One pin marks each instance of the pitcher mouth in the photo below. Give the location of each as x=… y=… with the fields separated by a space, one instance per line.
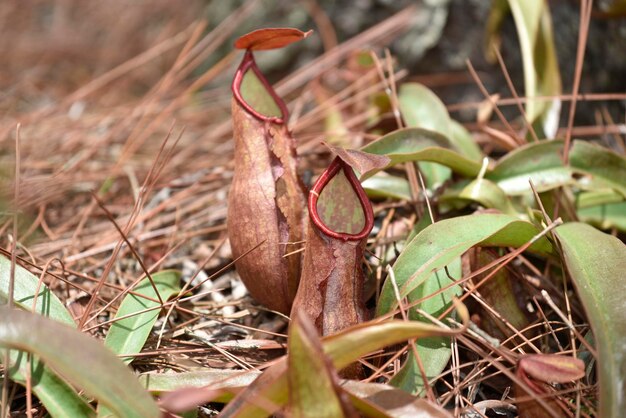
x=337 y=165
x=248 y=64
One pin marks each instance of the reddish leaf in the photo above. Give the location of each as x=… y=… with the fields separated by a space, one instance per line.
x=376 y=399
x=270 y=38
x=187 y=399
x=552 y=368
x=536 y=370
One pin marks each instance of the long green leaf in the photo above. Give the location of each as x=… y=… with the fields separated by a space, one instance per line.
x=218 y=378
x=25 y=288
x=128 y=335
x=60 y=399
x=185 y=391
x=416 y=144
x=599 y=196
x=463 y=142
x=371 y=399
x=603 y=165
x=540 y=162
x=435 y=351
x=310 y=397
x=591 y=166
x=421 y=108
x=419 y=272
x=488 y=194
x=596 y=263
x=527 y=16
x=442 y=242
x=80 y=359
x=612 y=215
x=383 y=185
x=541 y=70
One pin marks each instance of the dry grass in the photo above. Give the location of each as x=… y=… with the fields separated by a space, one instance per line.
x=146 y=129
x=115 y=99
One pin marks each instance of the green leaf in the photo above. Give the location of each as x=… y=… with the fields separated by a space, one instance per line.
x=349 y=345
x=216 y=378
x=443 y=242
x=25 y=289
x=434 y=174
x=184 y=392
x=541 y=71
x=484 y=192
x=463 y=141
x=416 y=144
x=128 y=335
x=607 y=216
x=540 y=162
x=310 y=397
x=597 y=197
x=420 y=225
x=605 y=166
x=500 y=294
x=596 y=263
x=434 y=352
x=80 y=359
x=419 y=272
x=60 y=399
x=489 y=195
x=382 y=185
x=421 y=108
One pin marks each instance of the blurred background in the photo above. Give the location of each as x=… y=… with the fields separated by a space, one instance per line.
x=99 y=86
x=52 y=47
